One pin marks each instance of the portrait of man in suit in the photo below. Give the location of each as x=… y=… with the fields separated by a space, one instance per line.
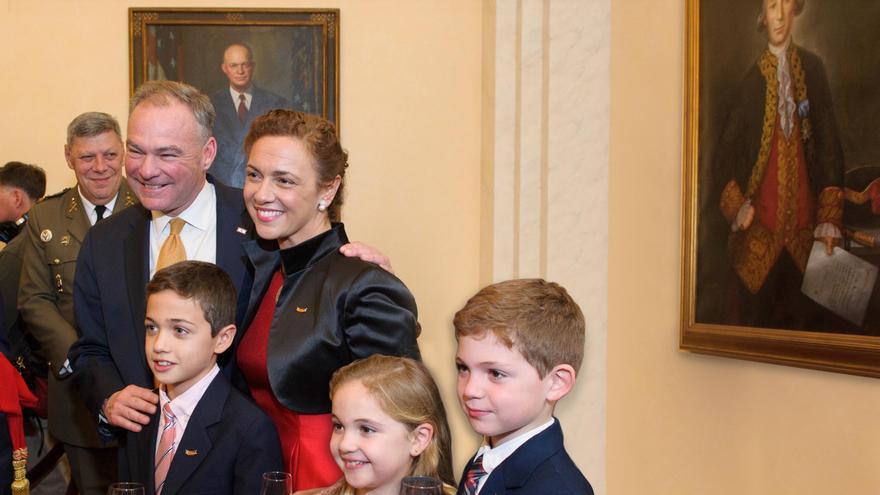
x=237 y=104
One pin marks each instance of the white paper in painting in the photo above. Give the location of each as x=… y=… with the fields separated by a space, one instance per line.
x=842 y=282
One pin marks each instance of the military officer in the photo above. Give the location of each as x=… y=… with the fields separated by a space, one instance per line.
x=56 y=228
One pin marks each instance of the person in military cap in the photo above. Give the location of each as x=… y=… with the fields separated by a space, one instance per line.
x=56 y=227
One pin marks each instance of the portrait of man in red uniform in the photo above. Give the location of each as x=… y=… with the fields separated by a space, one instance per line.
x=779 y=168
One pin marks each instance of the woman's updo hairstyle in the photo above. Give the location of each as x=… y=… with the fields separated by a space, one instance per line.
x=319 y=136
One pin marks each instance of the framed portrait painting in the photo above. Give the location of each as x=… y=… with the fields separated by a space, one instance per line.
x=781 y=183
x=247 y=60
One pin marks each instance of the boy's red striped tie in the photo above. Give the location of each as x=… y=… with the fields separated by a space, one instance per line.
x=474 y=474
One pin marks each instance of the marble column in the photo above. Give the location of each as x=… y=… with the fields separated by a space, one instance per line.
x=547 y=132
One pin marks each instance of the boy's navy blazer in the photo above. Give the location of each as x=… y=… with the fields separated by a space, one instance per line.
x=112 y=272
x=227 y=446
x=541 y=466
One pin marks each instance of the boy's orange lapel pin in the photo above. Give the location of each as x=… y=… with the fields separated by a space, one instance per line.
x=191 y=453
x=301 y=310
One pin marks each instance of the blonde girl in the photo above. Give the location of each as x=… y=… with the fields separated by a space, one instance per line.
x=388 y=423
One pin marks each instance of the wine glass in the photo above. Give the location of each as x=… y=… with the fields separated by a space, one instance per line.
x=126 y=488
x=421 y=485
x=276 y=483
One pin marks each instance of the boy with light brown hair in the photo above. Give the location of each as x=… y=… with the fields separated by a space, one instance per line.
x=520 y=345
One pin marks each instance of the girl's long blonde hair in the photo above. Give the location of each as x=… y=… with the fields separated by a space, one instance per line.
x=405 y=390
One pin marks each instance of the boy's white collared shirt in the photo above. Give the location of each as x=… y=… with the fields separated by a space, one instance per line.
x=183 y=405
x=493 y=457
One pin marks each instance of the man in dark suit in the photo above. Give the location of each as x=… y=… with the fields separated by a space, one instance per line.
x=169 y=149
x=237 y=105
x=56 y=229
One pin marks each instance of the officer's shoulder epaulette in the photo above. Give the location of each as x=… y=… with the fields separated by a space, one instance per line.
x=59 y=193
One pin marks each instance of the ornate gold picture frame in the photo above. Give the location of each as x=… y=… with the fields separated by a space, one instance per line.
x=296 y=51
x=781 y=113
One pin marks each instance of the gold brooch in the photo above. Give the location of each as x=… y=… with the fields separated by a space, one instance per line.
x=191 y=453
x=301 y=310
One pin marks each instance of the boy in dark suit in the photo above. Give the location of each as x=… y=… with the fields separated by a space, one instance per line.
x=520 y=344
x=206 y=436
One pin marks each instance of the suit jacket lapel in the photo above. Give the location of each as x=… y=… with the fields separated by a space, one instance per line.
x=232 y=230
x=137 y=274
x=146 y=452
x=196 y=443
x=257 y=102
x=264 y=261
x=516 y=470
x=234 y=227
x=228 y=111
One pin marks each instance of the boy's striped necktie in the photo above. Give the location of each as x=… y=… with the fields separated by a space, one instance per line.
x=474 y=474
x=167 y=446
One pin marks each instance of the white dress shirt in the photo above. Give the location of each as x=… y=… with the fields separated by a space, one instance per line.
x=90 y=208
x=199 y=235
x=248 y=97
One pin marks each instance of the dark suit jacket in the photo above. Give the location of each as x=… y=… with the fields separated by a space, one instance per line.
x=112 y=271
x=45 y=299
x=230 y=131
x=541 y=466
x=232 y=440
x=353 y=309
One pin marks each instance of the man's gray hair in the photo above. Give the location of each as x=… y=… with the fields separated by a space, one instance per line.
x=762 y=17
x=159 y=93
x=92 y=124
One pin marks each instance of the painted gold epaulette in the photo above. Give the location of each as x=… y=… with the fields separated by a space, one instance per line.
x=59 y=193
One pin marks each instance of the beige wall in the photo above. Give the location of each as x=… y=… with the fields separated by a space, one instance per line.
x=682 y=423
x=410 y=110
x=411 y=113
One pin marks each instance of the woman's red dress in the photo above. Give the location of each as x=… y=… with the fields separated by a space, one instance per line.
x=305 y=438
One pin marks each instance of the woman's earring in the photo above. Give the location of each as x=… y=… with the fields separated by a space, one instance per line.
x=322 y=205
